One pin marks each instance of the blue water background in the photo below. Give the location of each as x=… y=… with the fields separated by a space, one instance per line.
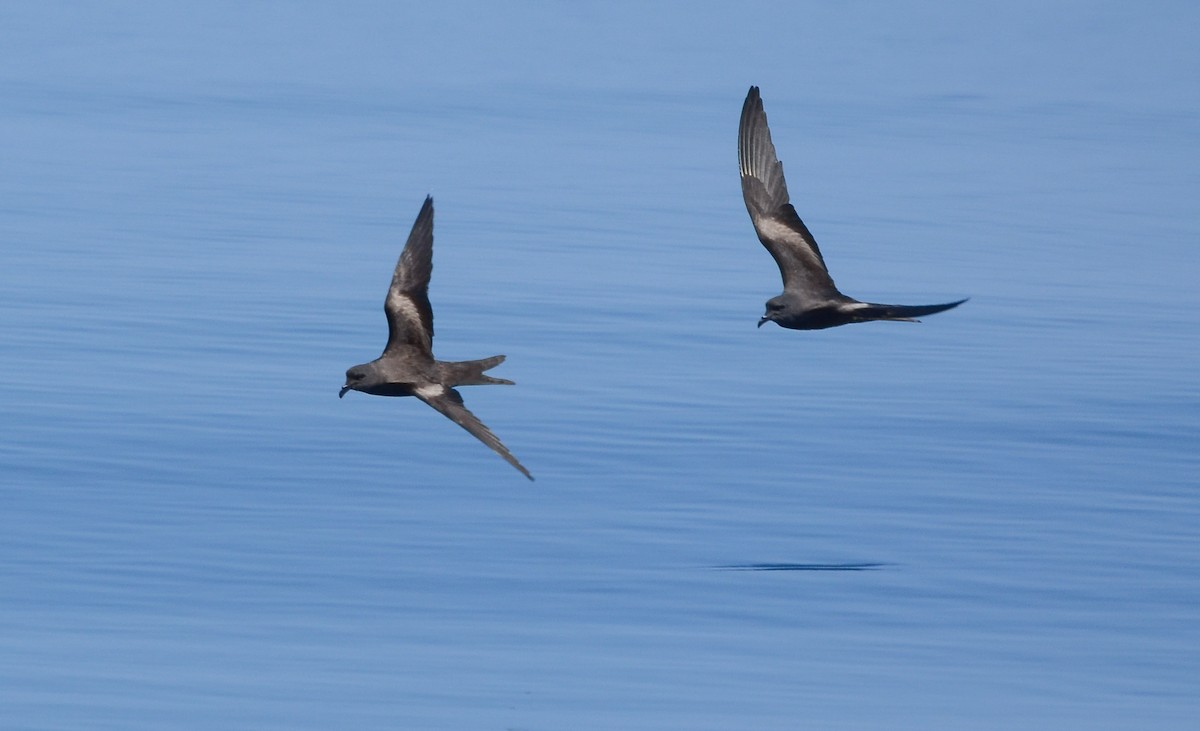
x=200 y=207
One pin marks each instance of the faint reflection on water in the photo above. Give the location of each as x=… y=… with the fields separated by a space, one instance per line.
x=804 y=567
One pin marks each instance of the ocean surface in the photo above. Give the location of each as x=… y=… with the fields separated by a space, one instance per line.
x=989 y=520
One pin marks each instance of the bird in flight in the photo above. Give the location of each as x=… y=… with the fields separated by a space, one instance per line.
x=810 y=300
x=407 y=366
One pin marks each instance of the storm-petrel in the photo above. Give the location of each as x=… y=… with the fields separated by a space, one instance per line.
x=810 y=300
x=407 y=366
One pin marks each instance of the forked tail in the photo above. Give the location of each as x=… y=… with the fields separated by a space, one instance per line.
x=470 y=372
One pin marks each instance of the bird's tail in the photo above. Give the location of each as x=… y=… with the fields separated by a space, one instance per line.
x=905 y=313
x=470 y=372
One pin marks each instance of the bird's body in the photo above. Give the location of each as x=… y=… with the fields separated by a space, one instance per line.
x=407 y=366
x=810 y=300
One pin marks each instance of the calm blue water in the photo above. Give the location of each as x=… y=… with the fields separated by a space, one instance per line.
x=200 y=208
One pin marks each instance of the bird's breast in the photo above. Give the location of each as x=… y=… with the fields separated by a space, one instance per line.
x=390 y=389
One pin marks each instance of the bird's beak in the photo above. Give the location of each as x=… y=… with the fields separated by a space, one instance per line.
x=343 y=391
x=762 y=319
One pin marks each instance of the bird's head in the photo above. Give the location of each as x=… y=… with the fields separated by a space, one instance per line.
x=358 y=378
x=775 y=307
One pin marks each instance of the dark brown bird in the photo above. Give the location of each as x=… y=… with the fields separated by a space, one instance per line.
x=810 y=300
x=407 y=366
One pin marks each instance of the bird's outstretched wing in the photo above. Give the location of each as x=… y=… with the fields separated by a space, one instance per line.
x=778 y=226
x=409 y=314
x=449 y=402
x=910 y=313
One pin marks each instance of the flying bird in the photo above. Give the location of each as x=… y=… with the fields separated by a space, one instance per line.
x=810 y=300
x=407 y=366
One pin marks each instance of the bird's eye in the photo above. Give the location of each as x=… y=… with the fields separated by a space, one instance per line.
x=355 y=375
